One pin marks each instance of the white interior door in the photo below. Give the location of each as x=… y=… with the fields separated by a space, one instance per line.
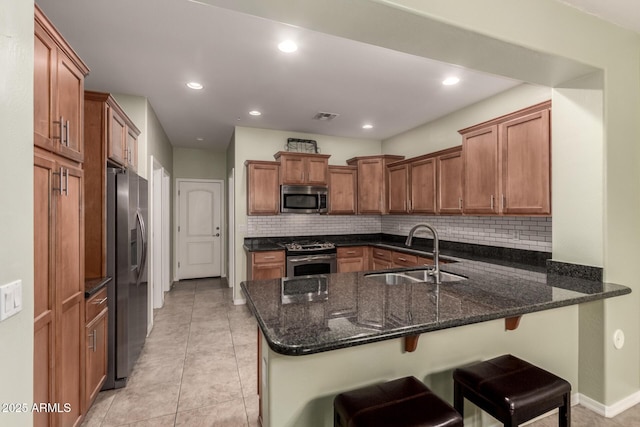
x=166 y=230
x=157 y=240
x=199 y=228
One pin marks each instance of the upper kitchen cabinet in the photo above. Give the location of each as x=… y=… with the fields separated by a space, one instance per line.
x=412 y=185
x=303 y=168
x=398 y=188
x=449 y=167
x=373 y=182
x=112 y=129
x=58 y=92
x=263 y=189
x=507 y=164
x=343 y=190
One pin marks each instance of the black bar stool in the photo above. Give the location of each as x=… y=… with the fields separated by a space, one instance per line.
x=405 y=402
x=512 y=390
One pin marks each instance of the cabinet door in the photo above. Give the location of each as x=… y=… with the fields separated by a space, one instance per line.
x=423 y=186
x=292 y=169
x=526 y=164
x=371 y=186
x=398 y=188
x=316 y=171
x=132 y=149
x=96 y=356
x=116 y=139
x=450 y=183
x=268 y=271
x=43 y=292
x=481 y=171
x=70 y=94
x=69 y=251
x=343 y=183
x=44 y=76
x=263 y=191
x=351 y=259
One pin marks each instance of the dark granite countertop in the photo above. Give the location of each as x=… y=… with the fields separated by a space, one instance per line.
x=353 y=309
x=92 y=286
x=508 y=257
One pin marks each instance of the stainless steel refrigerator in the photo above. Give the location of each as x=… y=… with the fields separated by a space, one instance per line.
x=127 y=195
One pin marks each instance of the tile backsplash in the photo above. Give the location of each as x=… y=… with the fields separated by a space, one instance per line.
x=532 y=233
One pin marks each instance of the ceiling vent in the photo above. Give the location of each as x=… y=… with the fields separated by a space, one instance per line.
x=325 y=116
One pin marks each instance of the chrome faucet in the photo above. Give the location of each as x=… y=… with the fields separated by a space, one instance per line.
x=436 y=260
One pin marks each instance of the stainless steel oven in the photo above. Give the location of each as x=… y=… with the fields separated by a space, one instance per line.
x=308 y=258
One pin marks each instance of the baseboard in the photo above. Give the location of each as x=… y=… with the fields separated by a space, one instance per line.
x=611 y=410
x=239 y=301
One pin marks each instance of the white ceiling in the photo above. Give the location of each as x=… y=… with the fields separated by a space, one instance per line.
x=152 y=48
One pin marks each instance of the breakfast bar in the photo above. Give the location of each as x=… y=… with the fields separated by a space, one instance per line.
x=321 y=335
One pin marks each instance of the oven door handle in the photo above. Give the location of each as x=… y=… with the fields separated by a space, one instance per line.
x=311 y=258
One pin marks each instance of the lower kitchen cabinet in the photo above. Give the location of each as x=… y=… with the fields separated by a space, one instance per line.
x=380 y=259
x=96 y=335
x=352 y=259
x=266 y=265
x=401 y=259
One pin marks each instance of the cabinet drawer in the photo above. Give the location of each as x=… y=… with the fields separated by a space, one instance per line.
x=268 y=257
x=381 y=254
x=424 y=261
x=96 y=304
x=351 y=252
x=405 y=260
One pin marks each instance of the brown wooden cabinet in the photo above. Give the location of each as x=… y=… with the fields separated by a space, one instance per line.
x=263 y=189
x=96 y=335
x=380 y=258
x=422 y=186
x=106 y=131
x=401 y=259
x=266 y=265
x=352 y=258
x=398 y=188
x=303 y=168
x=343 y=190
x=507 y=164
x=372 y=182
x=59 y=358
x=58 y=92
x=59 y=286
x=449 y=168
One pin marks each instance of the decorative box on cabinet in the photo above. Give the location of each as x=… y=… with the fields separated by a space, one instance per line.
x=507 y=164
x=373 y=182
x=263 y=189
x=303 y=168
x=343 y=190
x=58 y=92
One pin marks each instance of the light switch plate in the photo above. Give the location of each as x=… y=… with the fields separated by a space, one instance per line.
x=10 y=299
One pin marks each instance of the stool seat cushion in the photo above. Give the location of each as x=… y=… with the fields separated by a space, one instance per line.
x=514 y=385
x=402 y=402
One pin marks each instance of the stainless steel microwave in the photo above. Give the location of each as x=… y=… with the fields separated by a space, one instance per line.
x=305 y=199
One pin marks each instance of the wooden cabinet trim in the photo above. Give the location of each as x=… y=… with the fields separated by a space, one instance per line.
x=545 y=105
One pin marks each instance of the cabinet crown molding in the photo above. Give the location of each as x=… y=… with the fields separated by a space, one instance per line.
x=531 y=109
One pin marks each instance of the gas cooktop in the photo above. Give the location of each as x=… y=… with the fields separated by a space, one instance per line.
x=309 y=246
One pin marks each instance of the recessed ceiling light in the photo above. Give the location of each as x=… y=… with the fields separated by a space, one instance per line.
x=450 y=81
x=288 y=46
x=255 y=113
x=199 y=138
x=194 y=85
x=367 y=126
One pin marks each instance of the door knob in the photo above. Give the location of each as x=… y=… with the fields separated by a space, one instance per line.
x=217 y=234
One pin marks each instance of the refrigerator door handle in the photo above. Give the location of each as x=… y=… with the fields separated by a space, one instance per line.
x=143 y=235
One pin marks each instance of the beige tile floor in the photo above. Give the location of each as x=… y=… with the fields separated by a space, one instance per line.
x=198 y=368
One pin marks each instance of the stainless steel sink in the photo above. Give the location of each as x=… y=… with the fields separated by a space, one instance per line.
x=413 y=276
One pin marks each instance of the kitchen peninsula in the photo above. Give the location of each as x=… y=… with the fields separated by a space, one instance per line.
x=346 y=330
